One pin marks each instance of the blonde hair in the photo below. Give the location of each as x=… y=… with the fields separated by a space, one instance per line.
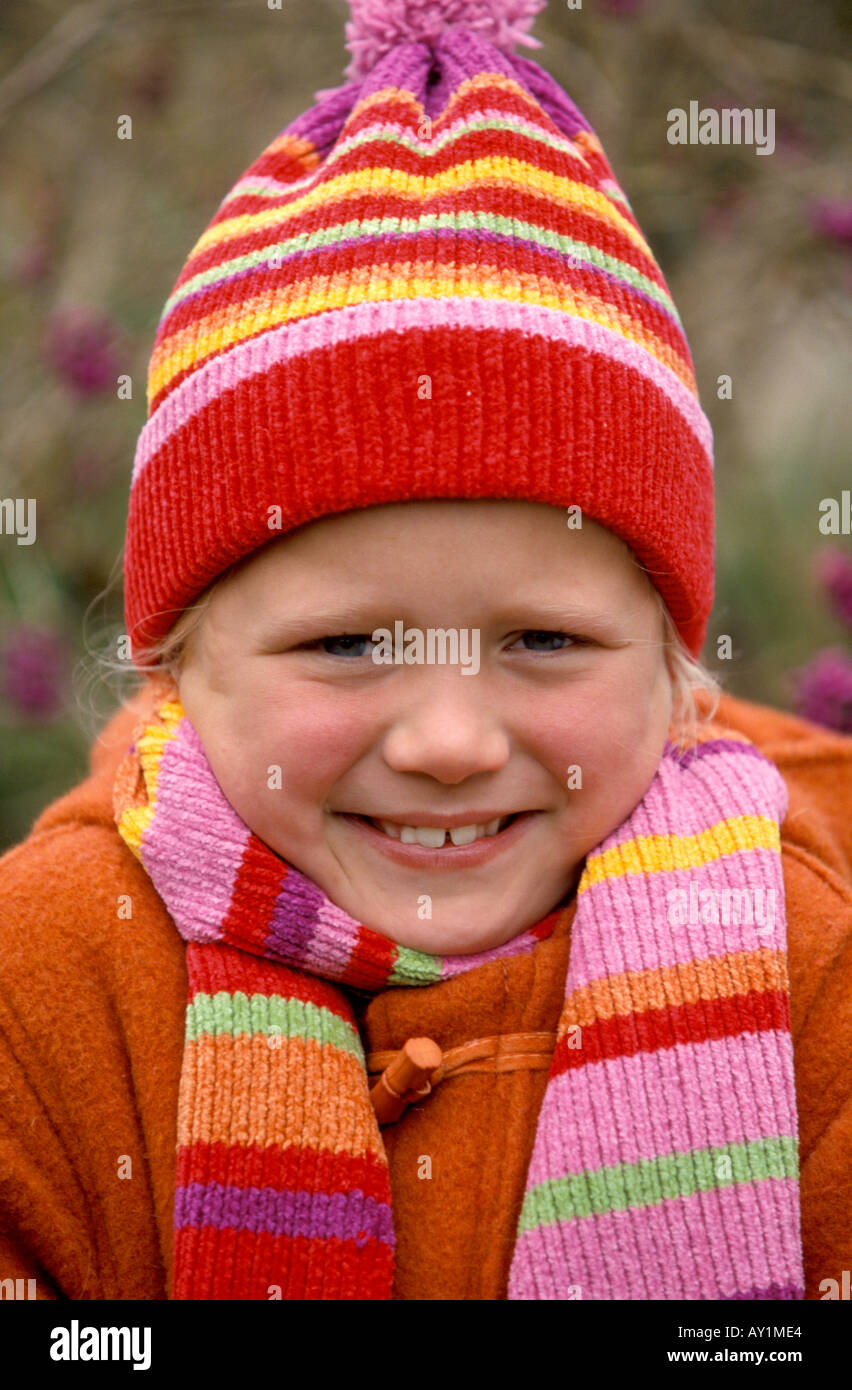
x=696 y=692
x=167 y=656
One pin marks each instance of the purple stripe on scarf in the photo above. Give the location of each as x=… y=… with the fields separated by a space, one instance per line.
x=293 y=926
x=716 y=745
x=314 y=1215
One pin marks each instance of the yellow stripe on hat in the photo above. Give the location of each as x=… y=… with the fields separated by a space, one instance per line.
x=187 y=347
x=499 y=170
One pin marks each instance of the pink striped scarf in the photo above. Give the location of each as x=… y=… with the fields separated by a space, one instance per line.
x=665 y=1160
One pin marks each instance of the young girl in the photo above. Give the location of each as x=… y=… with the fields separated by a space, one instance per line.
x=431 y=926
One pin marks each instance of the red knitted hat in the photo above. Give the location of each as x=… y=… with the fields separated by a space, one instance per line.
x=428 y=285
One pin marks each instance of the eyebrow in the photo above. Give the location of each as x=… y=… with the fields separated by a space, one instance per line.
x=353 y=618
x=344 y=616
x=558 y=612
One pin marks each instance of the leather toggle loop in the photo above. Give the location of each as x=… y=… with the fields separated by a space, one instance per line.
x=411 y=1073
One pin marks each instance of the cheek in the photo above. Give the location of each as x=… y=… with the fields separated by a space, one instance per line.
x=610 y=728
x=313 y=735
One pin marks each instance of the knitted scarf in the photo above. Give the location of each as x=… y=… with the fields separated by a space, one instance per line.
x=665 y=1159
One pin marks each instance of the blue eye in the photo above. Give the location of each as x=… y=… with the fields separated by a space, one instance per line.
x=547 y=635
x=352 y=645
x=356 y=639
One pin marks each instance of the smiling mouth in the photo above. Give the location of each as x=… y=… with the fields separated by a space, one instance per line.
x=437 y=837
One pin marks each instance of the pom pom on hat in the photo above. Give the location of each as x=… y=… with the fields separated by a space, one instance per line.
x=377 y=26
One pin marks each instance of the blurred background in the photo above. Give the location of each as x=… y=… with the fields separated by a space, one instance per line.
x=94 y=230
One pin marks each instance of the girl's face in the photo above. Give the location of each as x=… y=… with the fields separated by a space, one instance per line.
x=560 y=713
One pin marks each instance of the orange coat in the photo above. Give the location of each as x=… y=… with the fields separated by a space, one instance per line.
x=91 y=1038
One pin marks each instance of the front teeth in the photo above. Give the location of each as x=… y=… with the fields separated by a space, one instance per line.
x=429 y=836
x=432 y=837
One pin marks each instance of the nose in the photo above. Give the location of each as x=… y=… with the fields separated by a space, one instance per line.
x=450 y=733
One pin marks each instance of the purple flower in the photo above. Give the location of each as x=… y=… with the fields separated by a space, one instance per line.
x=832 y=218
x=824 y=690
x=33 y=665
x=833 y=569
x=80 y=346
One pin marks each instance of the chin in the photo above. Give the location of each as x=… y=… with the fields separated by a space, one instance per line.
x=444 y=943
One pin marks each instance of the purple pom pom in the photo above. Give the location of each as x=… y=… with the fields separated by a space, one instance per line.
x=377 y=26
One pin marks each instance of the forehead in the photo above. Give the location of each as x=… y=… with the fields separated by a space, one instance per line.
x=461 y=536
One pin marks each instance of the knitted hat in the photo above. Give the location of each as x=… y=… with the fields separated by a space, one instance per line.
x=429 y=285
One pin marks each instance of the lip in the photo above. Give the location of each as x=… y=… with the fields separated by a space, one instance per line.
x=453 y=857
